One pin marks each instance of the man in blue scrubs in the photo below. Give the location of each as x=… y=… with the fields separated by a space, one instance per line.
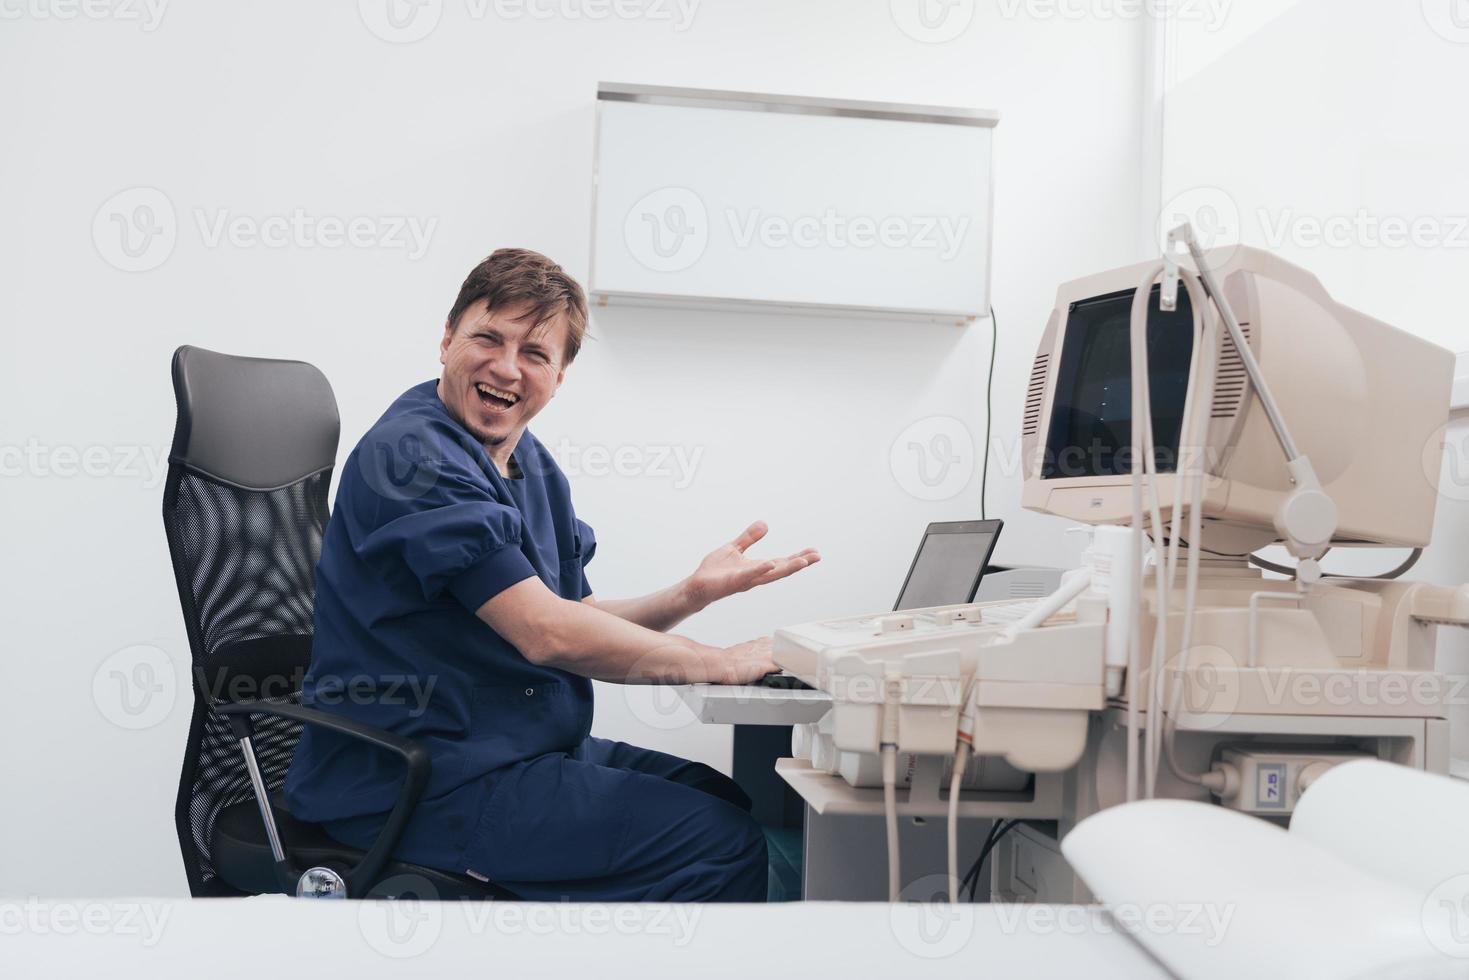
x=452 y=607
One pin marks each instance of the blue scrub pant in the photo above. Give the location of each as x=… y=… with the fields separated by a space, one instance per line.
x=611 y=822
x=607 y=822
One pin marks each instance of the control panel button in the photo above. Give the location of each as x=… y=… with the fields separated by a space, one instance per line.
x=895 y=624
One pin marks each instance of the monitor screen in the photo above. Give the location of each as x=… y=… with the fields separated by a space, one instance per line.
x=1091 y=413
x=949 y=564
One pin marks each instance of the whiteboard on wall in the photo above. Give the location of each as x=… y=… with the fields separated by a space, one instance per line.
x=731 y=199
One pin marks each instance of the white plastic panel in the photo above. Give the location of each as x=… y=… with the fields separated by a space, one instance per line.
x=1213 y=893
x=1397 y=823
x=1461 y=383
x=722 y=205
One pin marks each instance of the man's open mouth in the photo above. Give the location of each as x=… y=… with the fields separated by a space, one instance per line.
x=495 y=399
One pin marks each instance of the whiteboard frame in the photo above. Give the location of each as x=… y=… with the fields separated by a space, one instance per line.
x=800 y=105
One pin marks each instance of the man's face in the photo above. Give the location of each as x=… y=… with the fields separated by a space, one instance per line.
x=500 y=370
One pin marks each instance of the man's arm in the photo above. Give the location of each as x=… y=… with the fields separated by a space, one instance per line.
x=723 y=572
x=583 y=639
x=661 y=610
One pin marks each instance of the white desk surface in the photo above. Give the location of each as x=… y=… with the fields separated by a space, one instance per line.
x=279 y=936
x=751 y=704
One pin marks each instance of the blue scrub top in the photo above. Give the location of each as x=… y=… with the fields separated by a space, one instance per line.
x=425 y=531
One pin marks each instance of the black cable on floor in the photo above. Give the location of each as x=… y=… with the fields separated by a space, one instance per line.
x=997 y=830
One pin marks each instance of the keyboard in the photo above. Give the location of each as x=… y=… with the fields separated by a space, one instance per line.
x=1012 y=611
x=972 y=625
x=784 y=682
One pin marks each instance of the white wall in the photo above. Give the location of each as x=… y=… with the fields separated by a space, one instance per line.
x=1338 y=115
x=1331 y=132
x=483 y=127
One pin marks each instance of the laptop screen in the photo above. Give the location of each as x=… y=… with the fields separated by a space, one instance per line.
x=950 y=562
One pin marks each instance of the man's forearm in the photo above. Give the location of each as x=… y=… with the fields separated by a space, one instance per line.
x=588 y=640
x=596 y=644
x=661 y=610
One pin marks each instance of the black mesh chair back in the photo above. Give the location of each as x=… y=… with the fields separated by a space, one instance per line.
x=244 y=509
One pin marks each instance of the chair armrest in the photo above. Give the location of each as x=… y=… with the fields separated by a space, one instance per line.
x=362 y=876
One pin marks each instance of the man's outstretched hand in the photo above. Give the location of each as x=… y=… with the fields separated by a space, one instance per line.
x=727 y=569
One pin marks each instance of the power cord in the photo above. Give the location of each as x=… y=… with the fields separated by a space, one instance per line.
x=892 y=692
x=1290 y=572
x=989 y=387
x=998 y=830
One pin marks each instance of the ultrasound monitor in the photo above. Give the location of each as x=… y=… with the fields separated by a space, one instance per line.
x=1091 y=416
x=1367 y=403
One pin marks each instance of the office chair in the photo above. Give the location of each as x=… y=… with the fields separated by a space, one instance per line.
x=244 y=509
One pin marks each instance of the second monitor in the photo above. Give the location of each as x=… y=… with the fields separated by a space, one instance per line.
x=950 y=562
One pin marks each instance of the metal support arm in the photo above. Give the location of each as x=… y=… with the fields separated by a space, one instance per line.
x=364 y=874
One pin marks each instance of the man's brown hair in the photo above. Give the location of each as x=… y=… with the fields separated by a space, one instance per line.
x=512 y=276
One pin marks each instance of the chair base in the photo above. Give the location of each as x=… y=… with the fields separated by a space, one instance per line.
x=241 y=856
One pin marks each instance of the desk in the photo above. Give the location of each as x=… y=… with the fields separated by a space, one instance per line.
x=843 y=852
x=762 y=718
x=227 y=938
x=720 y=704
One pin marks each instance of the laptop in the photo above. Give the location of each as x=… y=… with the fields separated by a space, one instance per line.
x=949 y=564
x=946 y=571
